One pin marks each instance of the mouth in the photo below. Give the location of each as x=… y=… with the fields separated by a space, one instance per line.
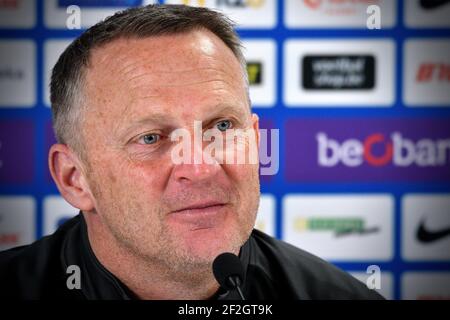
x=205 y=215
x=203 y=207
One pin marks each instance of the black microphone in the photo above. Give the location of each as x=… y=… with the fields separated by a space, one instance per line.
x=229 y=273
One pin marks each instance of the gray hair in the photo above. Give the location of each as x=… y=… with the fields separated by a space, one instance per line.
x=67 y=80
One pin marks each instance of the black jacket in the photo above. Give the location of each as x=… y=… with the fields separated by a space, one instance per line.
x=273 y=270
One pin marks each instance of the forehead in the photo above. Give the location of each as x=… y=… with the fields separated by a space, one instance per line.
x=161 y=71
x=161 y=52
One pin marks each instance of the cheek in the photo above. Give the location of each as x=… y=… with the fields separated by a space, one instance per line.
x=126 y=179
x=246 y=180
x=144 y=177
x=244 y=177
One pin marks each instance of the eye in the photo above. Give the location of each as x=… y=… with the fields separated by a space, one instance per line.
x=223 y=125
x=149 y=138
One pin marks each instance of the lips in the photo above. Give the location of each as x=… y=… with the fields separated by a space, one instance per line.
x=200 y=207
x=200 y=216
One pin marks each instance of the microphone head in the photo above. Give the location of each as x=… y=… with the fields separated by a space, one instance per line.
x=227 y=265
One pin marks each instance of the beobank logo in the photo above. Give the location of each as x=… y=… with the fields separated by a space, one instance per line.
x=367 y=150
x=397 y=150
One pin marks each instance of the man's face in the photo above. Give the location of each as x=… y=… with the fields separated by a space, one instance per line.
x=138 y=91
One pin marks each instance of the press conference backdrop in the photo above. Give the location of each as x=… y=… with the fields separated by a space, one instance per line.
x=363 y=177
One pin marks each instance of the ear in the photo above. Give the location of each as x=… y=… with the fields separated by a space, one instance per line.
x=66 y=170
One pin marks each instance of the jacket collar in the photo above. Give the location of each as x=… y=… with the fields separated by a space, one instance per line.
x=98 y=283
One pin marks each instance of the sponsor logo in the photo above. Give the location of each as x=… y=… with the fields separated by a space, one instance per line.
x=371 y=14
x=429 y=72
x=338 y=72
x=228 y=3
x=426 y=286
x=338 y=7
x=426 y=227
x=254 y=71
x=398 y=150
x=9 y=73
x=17 y=71
x=200 y=3
x=241 y=3
x=261 y=56
x=368 y=150
x=313 y=4
x=17 y=226
x=9 y=4
x=427 y=14
x=428 y=236
x=340 y=226
x=9 y=239
x=327 y=225
x=246 y=13
x=433 y=4
x=17 y=14
x=99 y=3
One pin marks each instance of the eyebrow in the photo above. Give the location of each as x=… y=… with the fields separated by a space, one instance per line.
x=155 y=118
x=168 y=120
x=227 y=108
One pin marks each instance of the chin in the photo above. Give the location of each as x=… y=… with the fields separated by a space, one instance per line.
x=206 y=244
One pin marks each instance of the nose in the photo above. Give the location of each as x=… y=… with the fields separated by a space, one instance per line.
x=195 y=172
x=199 y=167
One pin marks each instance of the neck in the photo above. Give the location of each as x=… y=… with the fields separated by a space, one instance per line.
x=148 y=279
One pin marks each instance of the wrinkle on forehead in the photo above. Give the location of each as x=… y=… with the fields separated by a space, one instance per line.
x=164 y=60
x=169 y=53
x=127 y=76
x=191 y=77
